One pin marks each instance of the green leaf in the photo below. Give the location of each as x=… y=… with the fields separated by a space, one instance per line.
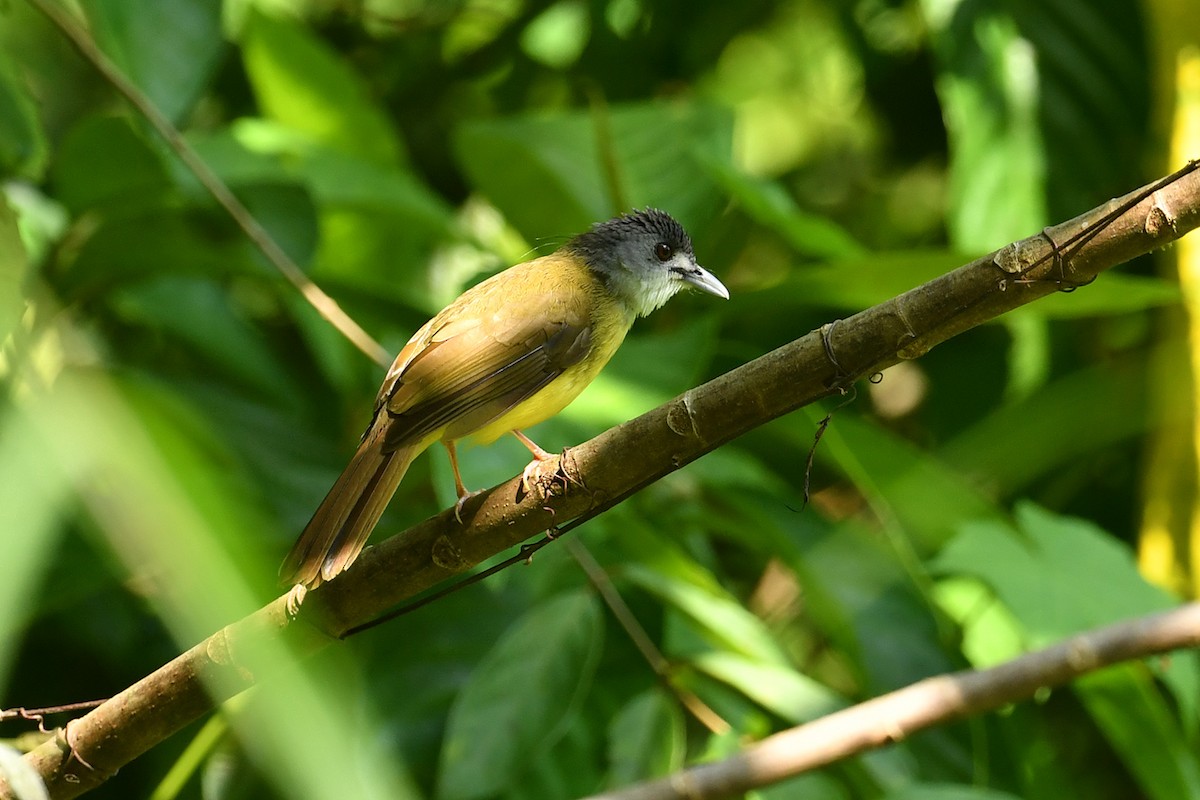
x=547 y=173
x=925 y=496
x=168 y=48
x=199 y=315
x=782 y=690
x=810 y=786
x=569 y=768
x=937 y=791
x=1082 y=412
x=988 y=86
x=1093 y=70
x=34 y=495
x=557 y=36
x=1037 y=95
x=990 y=634
x=103 y=162
x=857 y=283
x=14 y=264
x=378 y=225
x=1058 y=575
x=23 y=149
x=520 y=696
x=166 y=241
x=768 y=204
x=646 y=738
x=1143 y=730
x=723 y=622
x=286 y=211
x=298 y=81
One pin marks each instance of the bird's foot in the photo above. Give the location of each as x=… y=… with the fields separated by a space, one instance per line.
x=295 y=598
x=544 y=473
x=462 y=501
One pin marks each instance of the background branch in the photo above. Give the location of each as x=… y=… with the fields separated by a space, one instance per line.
x=934 y=701
x=618 y=462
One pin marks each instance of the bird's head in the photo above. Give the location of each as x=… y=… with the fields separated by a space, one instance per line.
x=644 y=258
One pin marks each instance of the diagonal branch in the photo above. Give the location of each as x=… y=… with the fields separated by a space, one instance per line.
x=619 y=462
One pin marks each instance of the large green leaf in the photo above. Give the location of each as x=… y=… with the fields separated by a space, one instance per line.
x=989 y=92
x=300 y=82
x=167 y=242
x=23 y=149
x=1037 y=96
x=168 y=48
x=1082 y=413
x=198 y=315
x=721 y=620
x=1058 y=575
x=519 y=697
x=782 y=690
x=774 y=208
x=104 y=162
x=547 y=173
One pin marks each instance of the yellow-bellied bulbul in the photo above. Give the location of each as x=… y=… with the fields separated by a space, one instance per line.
x=507 y=354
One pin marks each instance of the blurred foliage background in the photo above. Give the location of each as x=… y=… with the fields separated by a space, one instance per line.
x=172 y=411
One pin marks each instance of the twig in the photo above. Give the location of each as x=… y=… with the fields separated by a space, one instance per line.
x=39 y=715
x=625 y=617
x=325 y=305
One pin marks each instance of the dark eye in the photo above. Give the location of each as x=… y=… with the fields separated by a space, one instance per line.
x=663 y=251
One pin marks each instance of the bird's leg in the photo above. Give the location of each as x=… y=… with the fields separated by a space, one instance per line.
x=532 y=473
x=463 y=494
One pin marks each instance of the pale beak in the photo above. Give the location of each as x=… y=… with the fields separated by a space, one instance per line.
x=702 y=279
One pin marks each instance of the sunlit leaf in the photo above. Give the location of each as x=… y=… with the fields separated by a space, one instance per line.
x=301 y=83
x=13 y=266
x=781 y=690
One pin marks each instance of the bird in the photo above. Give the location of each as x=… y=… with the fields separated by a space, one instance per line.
x=508 y=353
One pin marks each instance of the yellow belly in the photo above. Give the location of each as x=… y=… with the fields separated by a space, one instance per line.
x=610 y=324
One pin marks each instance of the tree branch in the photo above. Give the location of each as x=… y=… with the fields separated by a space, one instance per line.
x=619 y=462
x=933 y=701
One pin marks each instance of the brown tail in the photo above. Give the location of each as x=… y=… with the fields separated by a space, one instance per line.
x=338 y=530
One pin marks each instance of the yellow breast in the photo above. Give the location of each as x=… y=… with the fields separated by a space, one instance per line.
x=610 y=320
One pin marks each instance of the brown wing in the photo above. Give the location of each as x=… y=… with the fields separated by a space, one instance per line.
x=464 y=378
